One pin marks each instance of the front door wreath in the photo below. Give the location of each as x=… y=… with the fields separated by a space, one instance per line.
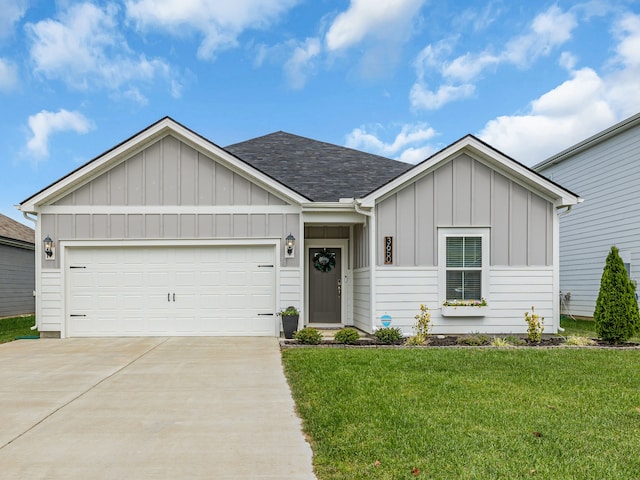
x=324 y=260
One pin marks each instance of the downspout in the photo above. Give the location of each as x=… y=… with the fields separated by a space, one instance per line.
x=34 y=220
x=562 y=214
x=372 y=260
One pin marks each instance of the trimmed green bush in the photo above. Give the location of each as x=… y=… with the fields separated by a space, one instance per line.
x=348 y=336
x=308 y=336
x=388 y=335
x=616 y=315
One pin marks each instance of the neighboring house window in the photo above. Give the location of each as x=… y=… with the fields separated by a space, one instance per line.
x=463 y=263
x=626 y=260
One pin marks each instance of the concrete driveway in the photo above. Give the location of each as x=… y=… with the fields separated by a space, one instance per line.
x=137 y=408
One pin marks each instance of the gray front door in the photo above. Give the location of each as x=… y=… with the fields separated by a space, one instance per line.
x=325 y=285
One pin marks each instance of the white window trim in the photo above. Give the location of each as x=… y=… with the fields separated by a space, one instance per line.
x=443 y=233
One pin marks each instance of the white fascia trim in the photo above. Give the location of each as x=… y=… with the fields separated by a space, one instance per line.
x=328 y=206
x=491 y=158
x=189 y=242
x=139 y=142
x=168 y=209
x=331 y=212
x=343 y=218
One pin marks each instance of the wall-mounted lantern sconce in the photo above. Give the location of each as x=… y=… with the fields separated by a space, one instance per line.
x=49 y=249
x=289 y=243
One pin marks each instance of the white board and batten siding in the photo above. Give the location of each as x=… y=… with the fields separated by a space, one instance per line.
x=467 y=195
x=606 y=173
x=290 y=287
x=51 y=301
x=511 y=292
x=362 y=299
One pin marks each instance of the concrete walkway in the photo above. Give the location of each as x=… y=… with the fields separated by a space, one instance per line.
x=139 y=408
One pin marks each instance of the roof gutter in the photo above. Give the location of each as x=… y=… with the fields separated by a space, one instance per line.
x=358 y=208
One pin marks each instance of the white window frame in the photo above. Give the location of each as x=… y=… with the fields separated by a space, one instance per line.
x=443 y=234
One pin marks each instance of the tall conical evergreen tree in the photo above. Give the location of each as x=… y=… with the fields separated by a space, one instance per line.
x=616 y=315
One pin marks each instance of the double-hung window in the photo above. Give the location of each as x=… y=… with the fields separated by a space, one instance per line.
x=463 y=264
x=464 y=268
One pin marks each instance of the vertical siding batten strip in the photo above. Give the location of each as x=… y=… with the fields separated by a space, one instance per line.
x=530 y=230
x=143 y=179
x=472 y=189
x=416 y=230
x=434 y=208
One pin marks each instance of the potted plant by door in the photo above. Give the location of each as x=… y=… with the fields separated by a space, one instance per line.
x=290 y=317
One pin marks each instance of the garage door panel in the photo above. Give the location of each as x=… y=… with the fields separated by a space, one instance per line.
x=130 y=291
x=133 y=279
x=157 y=279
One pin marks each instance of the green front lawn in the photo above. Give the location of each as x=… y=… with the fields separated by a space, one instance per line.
x=472 y=413
x=11 y=328
x=582 y=328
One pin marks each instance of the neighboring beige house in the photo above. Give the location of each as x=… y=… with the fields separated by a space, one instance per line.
x=17 y=268
x=605 y=169
x=170 y=234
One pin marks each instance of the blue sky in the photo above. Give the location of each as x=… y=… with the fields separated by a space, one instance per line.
x=399 y=78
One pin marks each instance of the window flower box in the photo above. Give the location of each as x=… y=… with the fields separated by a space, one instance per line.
x=464 y=311
x=472 y=308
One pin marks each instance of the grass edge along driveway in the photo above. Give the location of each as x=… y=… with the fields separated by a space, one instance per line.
x=14 y=327
x=469 y=413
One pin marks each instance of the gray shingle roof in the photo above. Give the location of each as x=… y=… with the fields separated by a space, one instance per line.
x=13 y=230
x=320 y=171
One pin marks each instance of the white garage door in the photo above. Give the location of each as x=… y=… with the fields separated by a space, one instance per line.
x=157 y=291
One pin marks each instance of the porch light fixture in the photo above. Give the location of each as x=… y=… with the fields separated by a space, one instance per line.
x=49 y=251
x=289 y=243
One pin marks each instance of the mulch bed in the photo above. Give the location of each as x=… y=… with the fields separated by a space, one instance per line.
x=461 y=341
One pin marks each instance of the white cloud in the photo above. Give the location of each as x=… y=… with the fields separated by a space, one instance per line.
x=477 y=20
x=420 y=96
x=567 y=61
x=408 y=145
x=45 y=123
x=8 y=75
x=578 y=108
x=424 y=99
x=547 y=31
x=468 y=66
x=628 y=50
x=218 y=22
x=416 y=154
x=300 y=64
x=379 y=28
x=12 y=12
x=561 y=117
x=365 y=18
x=623 y=90
x=85 y=49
